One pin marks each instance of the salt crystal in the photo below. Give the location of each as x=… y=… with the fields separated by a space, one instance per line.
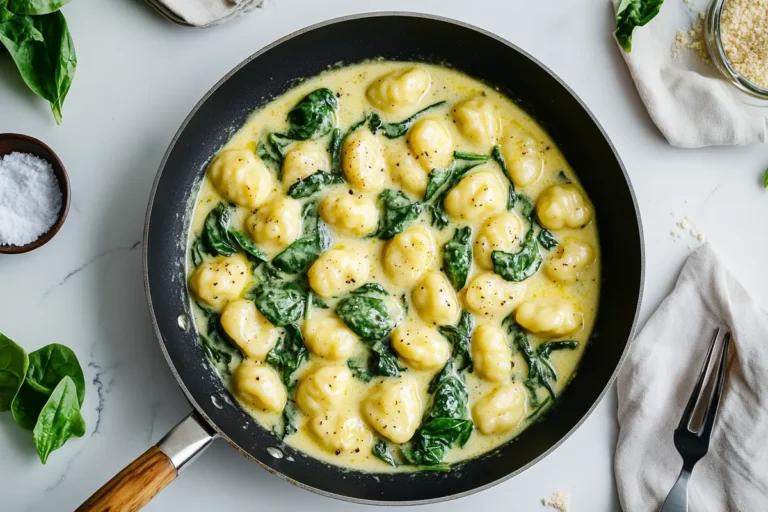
x=30 y=198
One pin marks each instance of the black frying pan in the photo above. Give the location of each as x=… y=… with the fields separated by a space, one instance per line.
x=268 y=74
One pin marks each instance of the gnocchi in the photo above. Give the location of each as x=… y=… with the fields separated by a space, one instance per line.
x=327 y=336
x=421 y=346
x=524 y=159
x=501 y=410
x=277 y=225
x=393 y=408
x=573 y=257
x=563 y=206
x=339 y=271
x=322 y=388
x=338 y=432
x=502 y=232
x=552 y=318
x=240 y=178
x=408 y=255
x=434 y=300
x=353 y=214
x=489 y=295
x=390 y=295
x=220 y=280
x=478 y=120
x=491 y=353
x=398 y=89
x=476 y=197
x=362 y=162
x=259 y=386
x=304 y=159
x=248 y=329
x=431 y=144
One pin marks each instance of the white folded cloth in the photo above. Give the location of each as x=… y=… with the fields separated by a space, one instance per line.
x=688 y=99
x=203 y=13
x=657 y=379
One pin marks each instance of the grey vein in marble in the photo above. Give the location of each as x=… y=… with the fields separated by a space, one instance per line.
x=87 y=263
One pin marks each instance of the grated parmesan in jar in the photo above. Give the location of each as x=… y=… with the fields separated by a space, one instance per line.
x=744 y=33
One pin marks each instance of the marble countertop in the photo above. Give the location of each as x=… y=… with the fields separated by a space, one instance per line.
x=138 y=77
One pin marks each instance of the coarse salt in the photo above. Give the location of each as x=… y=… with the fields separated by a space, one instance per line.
x=30 y=198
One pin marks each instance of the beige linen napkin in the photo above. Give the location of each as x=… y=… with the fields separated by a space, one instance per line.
x=686 y=98
x=656 y=380
x=203 y=13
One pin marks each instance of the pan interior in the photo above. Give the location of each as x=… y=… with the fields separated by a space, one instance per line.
x=415 y=38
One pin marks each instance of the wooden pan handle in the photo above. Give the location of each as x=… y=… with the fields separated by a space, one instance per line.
x=135 y=485
x=146 y=476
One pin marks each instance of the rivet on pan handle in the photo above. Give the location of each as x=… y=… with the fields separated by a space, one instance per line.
x=146 y=476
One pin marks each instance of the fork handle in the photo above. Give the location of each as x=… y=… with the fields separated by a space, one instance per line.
x=677 y=499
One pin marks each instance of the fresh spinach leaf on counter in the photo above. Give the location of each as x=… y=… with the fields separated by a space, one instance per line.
x=281 y=302
x=367 y=314
x=457 y=257
x=26 y=406
x=631 y=14
x=395 y=130
x=459 y=336
x=312 y=184
x=313 y=116
x=13 y=368
x=36 y=36
x=397 y=212
x=216 y=231
x=381 y=450
x=300 y=255
x=59 y=419
x=49 y=365
x=446 y=422
x=541 y=372
x=288 y=354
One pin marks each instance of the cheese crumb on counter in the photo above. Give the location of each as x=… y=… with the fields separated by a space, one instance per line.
x=684 y=225
x=692 y=39
x=744 y=33
x=558 y=501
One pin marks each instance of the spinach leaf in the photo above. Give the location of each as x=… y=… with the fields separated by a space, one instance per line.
x=301 y=254
x=270 y=157
x=395 y=130
x=439 y=183
x=288 y=426
x=526 y=206
x=370 y=289
x=521 y=265
x=312 y=184
x=288 y=354
x=26 y=406
x=43 y=51
x=381 y=450
x=459 y=337
x=197 y=251
x=631 y=14
x=541 y=373
x=215 y=231
x=334 y=148
x=360 y=370
x=382 y=362
x=465 y=155
x=446 y=422
x=366 y=316
x=397 y=212
x=547 y=240
x=215 y=345
x=248 y=245
x=499 y=158
x=49 y=365
x=457 y=257
x=13 y=368
x=59 y=419
x=35 y=7
x=314 y=116
x=281 y=302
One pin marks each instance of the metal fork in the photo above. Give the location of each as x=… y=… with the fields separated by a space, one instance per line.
x=692 y=446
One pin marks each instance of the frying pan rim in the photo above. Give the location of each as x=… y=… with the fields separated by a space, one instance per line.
x=246 y=61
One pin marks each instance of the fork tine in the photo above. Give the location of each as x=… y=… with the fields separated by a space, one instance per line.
x=717 y=391
x=691 y=406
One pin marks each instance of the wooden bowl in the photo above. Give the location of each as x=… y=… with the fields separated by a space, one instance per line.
x=14 y=142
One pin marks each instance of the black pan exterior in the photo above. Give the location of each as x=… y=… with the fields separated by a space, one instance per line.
x=276 y=69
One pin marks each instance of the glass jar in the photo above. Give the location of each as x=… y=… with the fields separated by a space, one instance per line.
x=720 y=58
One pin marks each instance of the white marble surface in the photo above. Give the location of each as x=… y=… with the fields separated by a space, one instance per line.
x=137 y=79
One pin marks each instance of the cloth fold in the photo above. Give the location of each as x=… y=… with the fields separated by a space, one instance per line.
x=688 y=100
x=203 y=13
x=657 y=379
